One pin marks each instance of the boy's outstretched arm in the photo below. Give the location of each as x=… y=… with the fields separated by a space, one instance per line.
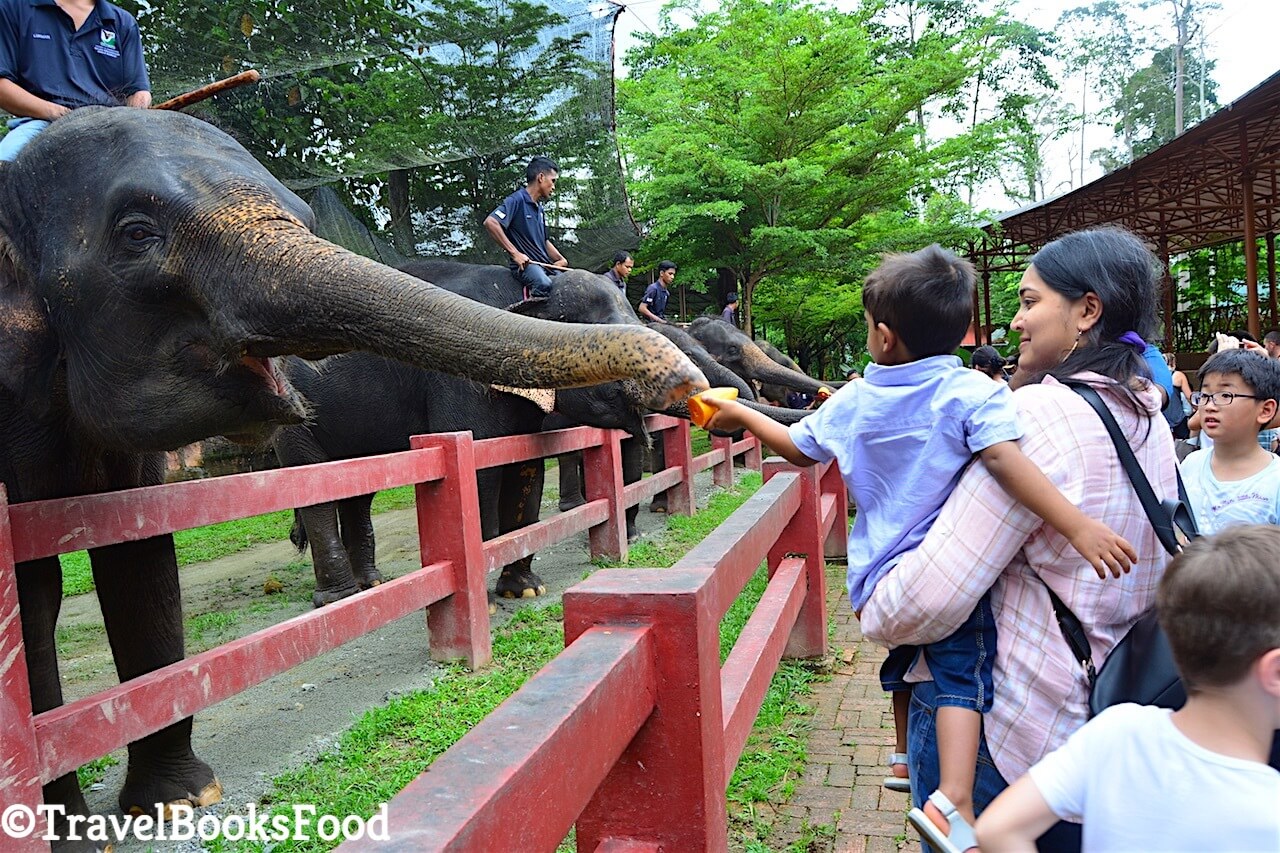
x=1099 y=544
x=732 y=416
x=1015 y=820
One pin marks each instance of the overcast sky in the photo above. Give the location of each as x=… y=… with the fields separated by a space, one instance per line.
x=1241 y=37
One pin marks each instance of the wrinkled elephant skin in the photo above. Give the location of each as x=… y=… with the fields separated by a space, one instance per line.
x=150 y=273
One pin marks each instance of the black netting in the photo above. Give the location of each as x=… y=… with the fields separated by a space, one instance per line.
x=405 y=123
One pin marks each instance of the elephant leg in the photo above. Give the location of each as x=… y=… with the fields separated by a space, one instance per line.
x=40 y=600
x=334 y=577
x=488 y=483
x=357 y=538
x=632 y=470
x=657 y=462
x=142 y=608
x=520 y=500
x=570 y=465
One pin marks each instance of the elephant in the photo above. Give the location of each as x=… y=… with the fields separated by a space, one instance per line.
x=151 y=274
x=733 y=349
x=363 y=404
x=570 y=464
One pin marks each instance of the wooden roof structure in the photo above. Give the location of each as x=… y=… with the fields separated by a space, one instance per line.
x=1218 y=182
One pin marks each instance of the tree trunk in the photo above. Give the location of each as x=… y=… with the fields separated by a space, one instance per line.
x=401 y=225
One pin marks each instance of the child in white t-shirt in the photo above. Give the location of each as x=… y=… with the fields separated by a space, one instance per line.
x=1235 y=481
x=1145 y=778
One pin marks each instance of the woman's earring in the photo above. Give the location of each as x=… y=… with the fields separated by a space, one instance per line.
x=1073 y=346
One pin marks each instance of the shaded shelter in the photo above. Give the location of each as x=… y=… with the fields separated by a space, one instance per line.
x=1217 y=183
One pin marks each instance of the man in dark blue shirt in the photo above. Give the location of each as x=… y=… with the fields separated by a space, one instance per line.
x=519 y=226
x=653 y=307
x=622 y=264
x=730 y=312
x=57 y=57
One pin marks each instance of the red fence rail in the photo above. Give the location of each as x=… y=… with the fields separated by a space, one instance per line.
x=451 y=585
x=632 y=733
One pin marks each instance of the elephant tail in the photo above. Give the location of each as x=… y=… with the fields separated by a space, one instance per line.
x=298 y=533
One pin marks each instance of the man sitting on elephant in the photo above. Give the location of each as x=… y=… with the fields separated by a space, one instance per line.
x=56 y=57
x=519 y=226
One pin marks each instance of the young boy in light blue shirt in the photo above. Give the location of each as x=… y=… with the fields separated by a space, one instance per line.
x=902 y=438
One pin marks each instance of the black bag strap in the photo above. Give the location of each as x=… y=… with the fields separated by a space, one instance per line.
x=1171 y=520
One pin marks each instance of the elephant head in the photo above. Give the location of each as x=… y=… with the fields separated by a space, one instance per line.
x=151 y=270
x=733 y=349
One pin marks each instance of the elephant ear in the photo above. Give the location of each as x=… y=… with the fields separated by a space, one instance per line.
x=28 y=347
x=538 y=307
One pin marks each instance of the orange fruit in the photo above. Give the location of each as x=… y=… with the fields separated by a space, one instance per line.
x=700 y=412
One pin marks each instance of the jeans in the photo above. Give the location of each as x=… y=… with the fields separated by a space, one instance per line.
x=922 y=759
x=21 y=131
x=537 y=279
x=960 y=664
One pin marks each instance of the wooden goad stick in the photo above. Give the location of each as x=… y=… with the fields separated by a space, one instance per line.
x=195 y=96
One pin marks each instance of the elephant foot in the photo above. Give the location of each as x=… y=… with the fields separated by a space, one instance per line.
x=659 y=504
x=493 y=603
x=369 y=579
x=321 y=597
x=80 y=846
x=569 y=502
x=633 y=535
x=194 y=786
x=520 y=583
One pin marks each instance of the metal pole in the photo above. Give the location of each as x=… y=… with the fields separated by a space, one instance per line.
x=1250 y=237
x=1271 y=277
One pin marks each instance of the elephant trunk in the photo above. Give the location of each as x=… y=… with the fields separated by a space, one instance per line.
x=766 y=371
x=292 y=292
x=781 y=415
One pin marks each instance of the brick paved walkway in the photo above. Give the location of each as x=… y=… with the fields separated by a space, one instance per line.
x=848 y=753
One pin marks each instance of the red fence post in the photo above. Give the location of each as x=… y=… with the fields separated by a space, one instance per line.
x=602 y=467
x=449 y=529
x=804 y=535
x=837 y=544
x=722 y=472
x=19 y=756
x=668 y=787
x=754 y=459
x=679 y=454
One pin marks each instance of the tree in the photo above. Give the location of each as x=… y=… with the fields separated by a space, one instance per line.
x=1150 y=116
x=775 y=139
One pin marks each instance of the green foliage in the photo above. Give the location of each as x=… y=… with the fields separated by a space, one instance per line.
x=774 y=139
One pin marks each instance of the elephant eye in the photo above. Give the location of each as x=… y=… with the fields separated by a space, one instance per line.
x=139 y=236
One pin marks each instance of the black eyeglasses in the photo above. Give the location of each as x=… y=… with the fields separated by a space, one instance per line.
x=1222 y=398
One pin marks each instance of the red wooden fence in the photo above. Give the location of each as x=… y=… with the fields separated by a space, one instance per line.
x=451 y=584
x=632 y=733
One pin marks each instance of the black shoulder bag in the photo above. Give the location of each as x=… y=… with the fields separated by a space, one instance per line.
x=1140 y=668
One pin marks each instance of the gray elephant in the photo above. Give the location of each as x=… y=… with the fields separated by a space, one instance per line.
x=151 y=272
x=733 y=349
x=363 y=404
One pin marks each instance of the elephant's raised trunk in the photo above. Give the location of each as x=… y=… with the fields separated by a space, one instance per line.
x=766 y=371
x=292 y=292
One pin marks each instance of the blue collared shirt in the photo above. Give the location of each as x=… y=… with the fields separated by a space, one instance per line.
x=616 y=279
x=656 y=296
x=41 y=51
x=902 y=436
x=525 y=223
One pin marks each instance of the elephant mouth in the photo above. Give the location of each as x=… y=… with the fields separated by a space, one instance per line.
x=266 y=369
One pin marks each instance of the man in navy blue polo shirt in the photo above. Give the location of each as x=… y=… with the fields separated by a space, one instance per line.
x=622 y=264
x=56 y=57
x=653 y=306
x=519 y=226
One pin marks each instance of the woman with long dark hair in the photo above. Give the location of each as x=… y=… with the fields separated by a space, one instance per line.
x=1087 y=304
x=988 y=360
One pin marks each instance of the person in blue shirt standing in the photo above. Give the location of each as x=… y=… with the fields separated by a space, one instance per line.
x=622 y=264
x=55 y=57
x=519 y=226
x=653 y=306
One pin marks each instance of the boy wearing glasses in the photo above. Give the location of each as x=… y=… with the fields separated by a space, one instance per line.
x=1235 y=481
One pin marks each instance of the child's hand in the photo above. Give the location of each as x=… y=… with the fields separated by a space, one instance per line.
x=727 y=417
x=1105 y=549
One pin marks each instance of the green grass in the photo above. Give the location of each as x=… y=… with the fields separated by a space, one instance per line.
x=390 y=746
x=218 y=540
x=92 y=773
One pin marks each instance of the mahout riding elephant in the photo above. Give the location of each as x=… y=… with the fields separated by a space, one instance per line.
x=151 y=272
x=362 y=404
x=730 y=346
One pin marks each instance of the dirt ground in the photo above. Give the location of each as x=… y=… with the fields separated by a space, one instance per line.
x=282 y=723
